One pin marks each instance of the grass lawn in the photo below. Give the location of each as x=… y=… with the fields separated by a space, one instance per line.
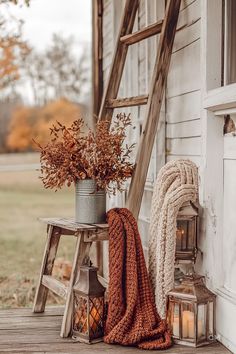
x=22 y=237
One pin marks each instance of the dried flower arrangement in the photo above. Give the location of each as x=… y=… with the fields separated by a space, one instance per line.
x=72 y=155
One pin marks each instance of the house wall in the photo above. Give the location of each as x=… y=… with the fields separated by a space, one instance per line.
x=179 y=129
x=183 y=92
x=186 y=130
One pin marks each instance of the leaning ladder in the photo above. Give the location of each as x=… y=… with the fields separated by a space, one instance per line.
x=167 y=30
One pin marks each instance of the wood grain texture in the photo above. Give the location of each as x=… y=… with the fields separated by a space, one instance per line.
x=81 y=251
x=156 y=93
x=119 y=58
x=184 y=107
x=86 y=234
x=184 y=146
x=55 y=286
x=92 y=236
x=143 y=33
x=127 y=102
x=49 y=256
x=71 y=225
x=97 y=55
x=182 y=79
x=190 y=128
x=23 y=338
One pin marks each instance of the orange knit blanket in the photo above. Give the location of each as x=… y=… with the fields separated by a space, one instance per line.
x=132 y=317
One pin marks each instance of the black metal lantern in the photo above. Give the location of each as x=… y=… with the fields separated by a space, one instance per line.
x=191 y=312
x=186 y=233
x=88 y=306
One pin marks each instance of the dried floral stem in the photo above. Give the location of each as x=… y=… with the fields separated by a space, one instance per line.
x=71 y=155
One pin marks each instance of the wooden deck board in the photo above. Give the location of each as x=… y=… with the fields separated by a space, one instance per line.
x=21 y=331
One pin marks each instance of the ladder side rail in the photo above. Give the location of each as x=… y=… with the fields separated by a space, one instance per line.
x=156 y=93
x=118 y=61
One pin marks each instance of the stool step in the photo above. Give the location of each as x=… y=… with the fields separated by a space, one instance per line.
x=55 y=285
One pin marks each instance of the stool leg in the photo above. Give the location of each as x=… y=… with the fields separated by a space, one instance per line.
x=50 y=252
x=81 y=250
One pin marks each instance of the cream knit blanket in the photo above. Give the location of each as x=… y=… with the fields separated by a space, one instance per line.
x=177 y=183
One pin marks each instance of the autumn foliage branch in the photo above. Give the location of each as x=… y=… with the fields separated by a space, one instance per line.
x=72 y=155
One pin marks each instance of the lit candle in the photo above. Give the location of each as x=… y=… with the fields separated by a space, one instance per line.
x=191 y=333
x=179 y=236
x=188 y=324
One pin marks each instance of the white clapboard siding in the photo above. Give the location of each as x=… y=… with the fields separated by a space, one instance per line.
x=183 y=95
x=189 y=14
x=188 y=34
x=183 y=108
x=184 y=146
x=230 y=147
x=186 y=3
x=184 y=74
x=229 y=244
x=108 y=37
x=107 y=28
x=196 y=159
x=190 y=128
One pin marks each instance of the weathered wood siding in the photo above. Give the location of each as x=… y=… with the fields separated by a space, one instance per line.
x=179 y=129
x=183 y=105
x=135 y=81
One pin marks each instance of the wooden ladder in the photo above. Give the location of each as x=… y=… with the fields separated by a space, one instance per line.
x=167 y=30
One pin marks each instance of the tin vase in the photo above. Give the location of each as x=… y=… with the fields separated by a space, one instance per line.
x=90 y=204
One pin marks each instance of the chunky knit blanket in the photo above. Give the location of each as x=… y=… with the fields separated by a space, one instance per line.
x=132 y=318
x=177 y=183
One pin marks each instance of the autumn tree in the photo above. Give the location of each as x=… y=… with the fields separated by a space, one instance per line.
x=60 y=110
x=34 y=122
x=12 y=48
x=21 y=129
x=12 y=51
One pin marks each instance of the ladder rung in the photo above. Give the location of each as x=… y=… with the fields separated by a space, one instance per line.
x=144 y=33
x=54 y=285
x=126 y=102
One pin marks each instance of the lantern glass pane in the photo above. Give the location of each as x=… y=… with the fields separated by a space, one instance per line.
x=201 y=322
x=80 y=322
x=211 y=320
x=186 y=234
x=191 y=234
x=96 y=308
x=188 y=321
x=181 y=235
x=176 y=320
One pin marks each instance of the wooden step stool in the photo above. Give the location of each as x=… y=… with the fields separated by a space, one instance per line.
x=85 y=234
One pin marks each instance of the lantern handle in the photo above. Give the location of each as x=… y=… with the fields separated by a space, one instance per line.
x=87 y=261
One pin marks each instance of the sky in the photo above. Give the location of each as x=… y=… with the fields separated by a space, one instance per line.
x=45 y=17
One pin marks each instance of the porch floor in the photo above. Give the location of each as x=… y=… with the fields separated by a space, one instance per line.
x=21 y=331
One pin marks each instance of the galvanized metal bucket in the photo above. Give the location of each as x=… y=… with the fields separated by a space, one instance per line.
x=90 y=204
